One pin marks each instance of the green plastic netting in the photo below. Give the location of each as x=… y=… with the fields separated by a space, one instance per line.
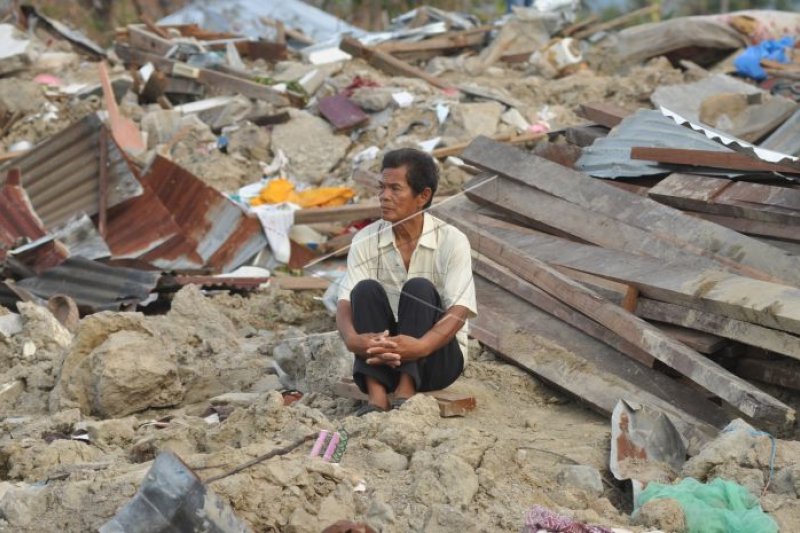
x=717 y=507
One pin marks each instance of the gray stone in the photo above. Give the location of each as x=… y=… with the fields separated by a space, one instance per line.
x=387 y=460
x=268 y=383
x=22 y=505
x=9 y=393
x=471 y=120
x=10 y=325
x=130 y=373
x=250 y=141
x=380 y=515
x=311 y=145
x=583 y=477
x=787 y=481
x=314 y=363
x=372 y=99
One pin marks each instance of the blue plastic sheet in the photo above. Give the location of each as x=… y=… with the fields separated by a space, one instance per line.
x=749 y=62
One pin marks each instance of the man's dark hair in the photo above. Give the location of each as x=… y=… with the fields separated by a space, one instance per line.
x=421 y=169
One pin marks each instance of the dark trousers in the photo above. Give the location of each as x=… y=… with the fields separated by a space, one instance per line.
x=419 y=309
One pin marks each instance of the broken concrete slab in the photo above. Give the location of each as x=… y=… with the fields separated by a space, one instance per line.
x=17 y=53
x=582 y=477
x=249 y=141
x=311 y=145
x=472 y=120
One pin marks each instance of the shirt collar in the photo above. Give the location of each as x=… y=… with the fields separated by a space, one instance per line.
x=428 y=239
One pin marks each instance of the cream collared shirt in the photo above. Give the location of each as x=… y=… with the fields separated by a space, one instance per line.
x=442 y=256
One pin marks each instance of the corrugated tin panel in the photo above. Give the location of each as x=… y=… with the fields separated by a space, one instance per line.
x=17 y=216
x=225 y=236
x=139 y=225
x=62 y=175
x=94 y=286
x=610 y=157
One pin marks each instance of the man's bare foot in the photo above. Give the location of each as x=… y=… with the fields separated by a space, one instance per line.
x=377 y=394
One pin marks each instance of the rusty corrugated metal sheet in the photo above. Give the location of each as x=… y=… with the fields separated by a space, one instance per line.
x=215 y=232
x=93 y=285
x=62 y=175
x=610 y=157
x=139 y=225
x=18 y=220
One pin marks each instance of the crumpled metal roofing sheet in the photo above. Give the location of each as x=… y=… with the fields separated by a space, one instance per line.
x=17 y=216
x=215 y=232
x=62 y=175
x=610 y=157
x=245 y=17
x=138 y=225
x=93 y=285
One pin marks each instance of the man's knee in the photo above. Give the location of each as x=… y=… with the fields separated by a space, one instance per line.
x=420 y=288
x=367 y=289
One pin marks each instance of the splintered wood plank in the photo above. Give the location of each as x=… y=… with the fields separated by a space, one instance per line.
x=707 y=158
x=737 y=392
x=605 y=114
x=533 y=295
x=669 y=224
x=738 y=330
x=753 y=227
x=767 y=304
x=388 y=63
x=592 y=371
x=451 y=403
x=561 y=217
x=783 y=373
x=718 y=196
x=696 y=340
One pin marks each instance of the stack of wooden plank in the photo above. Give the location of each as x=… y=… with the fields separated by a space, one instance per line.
x=612 y=295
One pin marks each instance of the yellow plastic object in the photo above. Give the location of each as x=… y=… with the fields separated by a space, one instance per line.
x=282 y=190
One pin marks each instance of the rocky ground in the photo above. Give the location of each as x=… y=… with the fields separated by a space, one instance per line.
x=92 y=408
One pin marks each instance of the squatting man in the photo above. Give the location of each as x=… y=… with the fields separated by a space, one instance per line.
x=408 y=291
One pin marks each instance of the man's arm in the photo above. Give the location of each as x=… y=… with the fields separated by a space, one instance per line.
x=360 y=343
x=407 y=348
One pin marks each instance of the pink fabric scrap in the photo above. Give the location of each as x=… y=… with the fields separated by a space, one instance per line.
x=541 y=518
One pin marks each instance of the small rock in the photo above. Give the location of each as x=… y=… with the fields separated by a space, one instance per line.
x=314 y=363
x=9 y=393
x=583 y=477
x=380 y=514
x=237 y=399
x=387 y=460
x=787 y=481
x=116 y=431
x=665 y=514
x=268 y=383
x=21 y=506
x=251 y=141
x=10 y=325
x=372 y=99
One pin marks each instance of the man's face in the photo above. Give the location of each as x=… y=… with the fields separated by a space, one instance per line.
x=398 y=200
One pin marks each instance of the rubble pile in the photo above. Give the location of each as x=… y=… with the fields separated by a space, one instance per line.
x=174 y=211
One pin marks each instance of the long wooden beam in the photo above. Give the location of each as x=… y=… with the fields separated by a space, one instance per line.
x=569 y=360
x=388 y=63
x=664 y=222
x=707 y=158
x=502 y=276
x=737 y=392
